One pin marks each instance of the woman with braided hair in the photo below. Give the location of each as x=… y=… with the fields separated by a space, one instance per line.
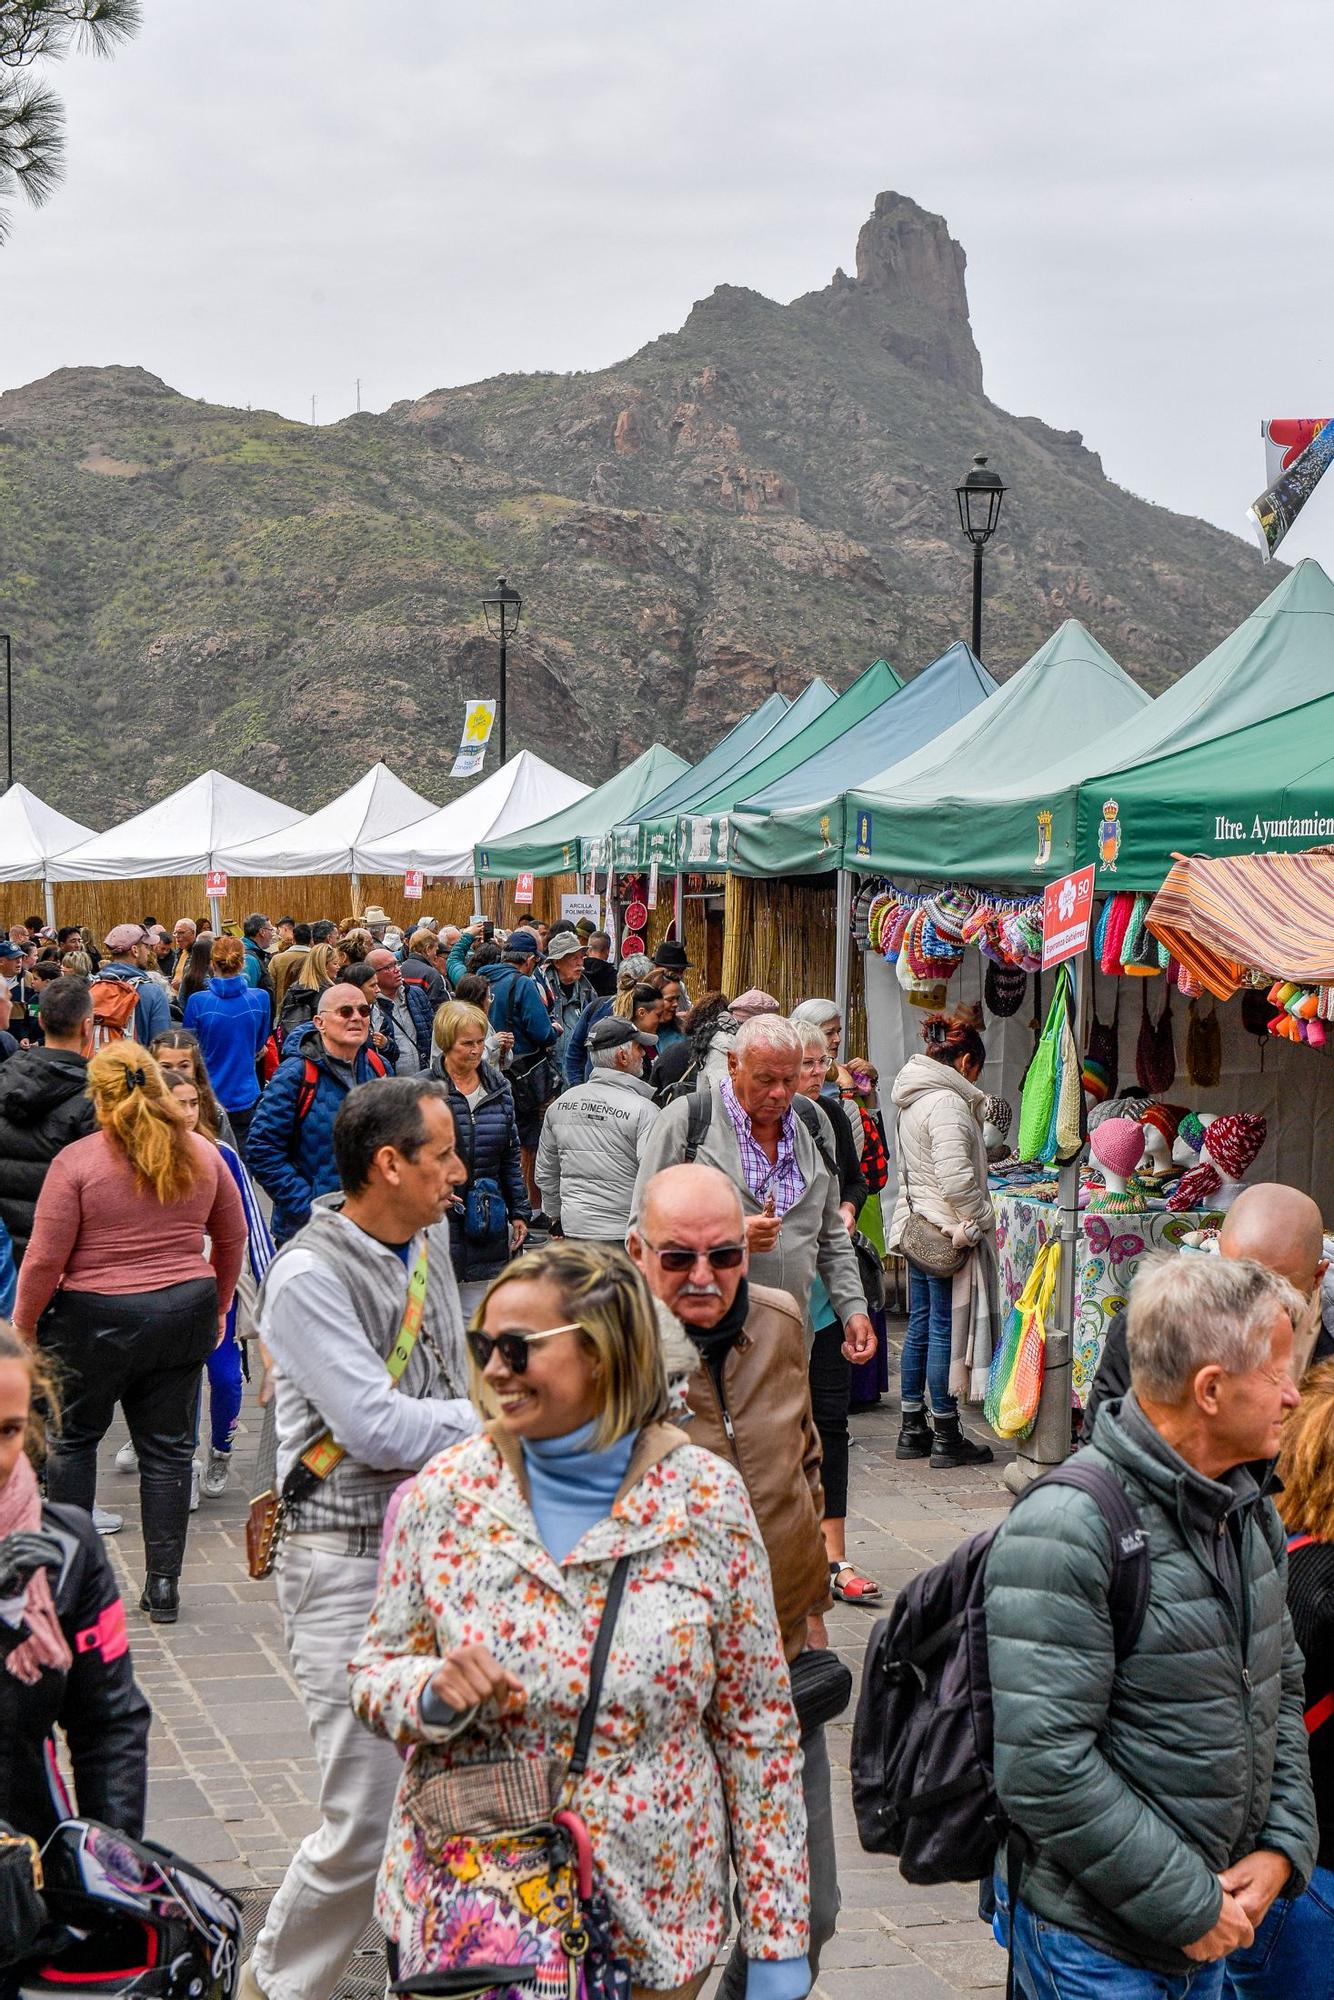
x=117 y=1289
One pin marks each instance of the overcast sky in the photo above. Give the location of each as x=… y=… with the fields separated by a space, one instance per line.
x=266 y=199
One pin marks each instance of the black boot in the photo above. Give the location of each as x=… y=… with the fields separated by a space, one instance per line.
x=915 y=1436
x=162 y=1599
x=952 y=1448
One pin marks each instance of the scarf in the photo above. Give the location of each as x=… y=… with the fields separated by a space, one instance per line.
x=713 y=1342
x=45 y=1645
x=1233 y=1142
x=975 y=1321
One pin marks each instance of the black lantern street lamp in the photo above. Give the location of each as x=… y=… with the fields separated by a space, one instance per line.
x=9 y=706
x=979 y=501
x=502 y=608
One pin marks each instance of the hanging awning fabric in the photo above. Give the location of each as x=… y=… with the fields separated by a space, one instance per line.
x=520 y=793
x=574 y=839
x=630 y=846
x=328 y=842
x=32 y=833
x=914 y=817
x=1272 y=911
x=181 y=835
x=791 y=823
x=654 y=835
x=1042 y=825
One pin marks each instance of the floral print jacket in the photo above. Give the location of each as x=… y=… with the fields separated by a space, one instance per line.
x=696 y=1749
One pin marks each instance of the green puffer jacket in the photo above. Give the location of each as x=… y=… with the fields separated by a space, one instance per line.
x=1139 y=1785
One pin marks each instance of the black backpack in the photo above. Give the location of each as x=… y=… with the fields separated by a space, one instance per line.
x=701 y=1117
x=922 y=1781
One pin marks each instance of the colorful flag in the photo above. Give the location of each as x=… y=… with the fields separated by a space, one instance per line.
x=1302 y=466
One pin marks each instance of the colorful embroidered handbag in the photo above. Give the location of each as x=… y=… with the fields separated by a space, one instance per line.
x=499 y=1886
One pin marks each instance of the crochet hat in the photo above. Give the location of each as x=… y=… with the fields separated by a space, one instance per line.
x=1192 y=1132
x=997 y=1112
x=1165 y=1118
x=1234 y=1142
x=1118 y=1145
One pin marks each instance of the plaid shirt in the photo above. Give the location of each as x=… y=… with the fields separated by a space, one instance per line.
x=782 y=1177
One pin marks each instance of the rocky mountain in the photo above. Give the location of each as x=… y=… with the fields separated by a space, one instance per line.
x=763 y=495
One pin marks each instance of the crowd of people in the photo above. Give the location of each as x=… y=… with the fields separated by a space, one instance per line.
x=557 y=1284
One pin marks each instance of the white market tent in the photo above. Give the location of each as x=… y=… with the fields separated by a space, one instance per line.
x=31 y=833
x=519 y=794
x=326 y=843
x=181 y=835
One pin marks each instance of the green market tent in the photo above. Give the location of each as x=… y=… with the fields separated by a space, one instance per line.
x=1268 y=788
x=1071 y=693
x=703 y=832
x=742 y=736
x=652 y=835
x=1277 y=659
x=552 y=847
x=777 y=830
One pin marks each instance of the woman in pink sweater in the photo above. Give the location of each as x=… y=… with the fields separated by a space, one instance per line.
x=116 y=1287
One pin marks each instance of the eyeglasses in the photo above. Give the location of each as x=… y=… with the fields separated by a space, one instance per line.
x=513 y=1346
x=722 y=1257
x=348 y=1013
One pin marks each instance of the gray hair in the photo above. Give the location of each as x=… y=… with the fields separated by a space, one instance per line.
x=606 y=1058
x=768 y=1034
x=812 y=1035
x=1190 y=1311
x=638 y=966
x=818 y=1012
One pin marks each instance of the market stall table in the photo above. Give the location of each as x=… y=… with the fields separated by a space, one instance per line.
x=1111 y=1247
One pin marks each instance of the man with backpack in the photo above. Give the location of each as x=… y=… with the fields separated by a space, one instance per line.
x=1159 y=1790
x=771 y=1144
x=127 y=1003
x=290 y=1148
x=517 y=1008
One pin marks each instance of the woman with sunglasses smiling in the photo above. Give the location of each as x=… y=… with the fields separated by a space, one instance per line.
x=491 y=1594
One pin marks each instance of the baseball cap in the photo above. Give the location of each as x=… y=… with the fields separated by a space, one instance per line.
x=125 y=935
x=9 y=952
x=613 y=1031
x=563 y=943
x=521 y=944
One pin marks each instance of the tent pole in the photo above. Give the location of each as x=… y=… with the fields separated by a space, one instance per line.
x=215 y=914
x=609 y=923
x=1048 y=1443
x=679 y=914
x=49 y=896
x=355 y=881
x=843 y=946
x=476 y=893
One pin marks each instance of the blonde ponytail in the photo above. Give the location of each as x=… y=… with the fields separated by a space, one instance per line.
x=136 y=1113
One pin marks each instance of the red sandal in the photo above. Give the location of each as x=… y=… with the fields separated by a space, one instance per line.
x=858 y=1590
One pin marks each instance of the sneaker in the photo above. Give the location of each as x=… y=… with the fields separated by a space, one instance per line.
x=217 y=1469
x=194 y=1485
x=127 y=1459
x=107 y=1523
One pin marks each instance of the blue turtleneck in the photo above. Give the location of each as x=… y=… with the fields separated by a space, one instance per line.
x=572 y=1487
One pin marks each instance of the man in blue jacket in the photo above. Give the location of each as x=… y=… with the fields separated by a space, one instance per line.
x=517 y=1007
x=128 y=959
x=290 y=1150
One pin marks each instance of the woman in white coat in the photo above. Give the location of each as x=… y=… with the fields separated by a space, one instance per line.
x=942 y=1164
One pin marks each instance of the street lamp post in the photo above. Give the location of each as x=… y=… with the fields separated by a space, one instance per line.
x=979 y=500
x=502 y=607
x=9 y=707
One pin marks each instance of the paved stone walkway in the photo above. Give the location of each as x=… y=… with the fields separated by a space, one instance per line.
x=232 y=1779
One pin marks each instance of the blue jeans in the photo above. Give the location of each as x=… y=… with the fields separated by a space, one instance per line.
x=1055 y=1964
x=1293 y=1954
x=925 y=1360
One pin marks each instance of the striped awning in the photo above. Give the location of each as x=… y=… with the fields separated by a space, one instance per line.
x=1275 y=912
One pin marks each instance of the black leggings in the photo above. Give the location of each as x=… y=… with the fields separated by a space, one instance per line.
x=145 y=1351
x=831 y=1390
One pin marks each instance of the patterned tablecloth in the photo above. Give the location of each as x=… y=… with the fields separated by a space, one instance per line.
x=1112 y=1246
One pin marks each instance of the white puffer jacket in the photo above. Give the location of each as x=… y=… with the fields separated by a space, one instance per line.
x=942 y=1157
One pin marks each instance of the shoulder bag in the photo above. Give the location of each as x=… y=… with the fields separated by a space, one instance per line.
x=269 y=1510
x=927 y=1248
x=499 y=1886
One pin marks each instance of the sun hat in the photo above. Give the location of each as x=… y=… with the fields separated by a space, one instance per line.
x=373 y=914
x=562 y=944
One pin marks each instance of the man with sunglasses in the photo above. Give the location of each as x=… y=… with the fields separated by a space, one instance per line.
x=368 y=1280
x=290 y=1149
x=748 y=1399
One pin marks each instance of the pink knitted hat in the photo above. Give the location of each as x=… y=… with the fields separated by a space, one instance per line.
x=1118 y=1145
